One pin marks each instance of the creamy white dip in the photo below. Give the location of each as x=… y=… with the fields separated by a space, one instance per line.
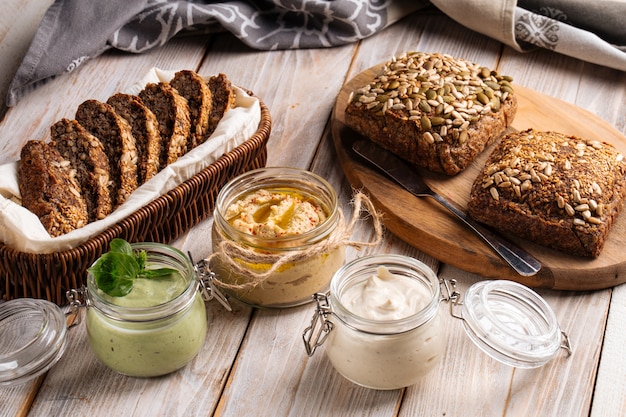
x=385 y=296
x=385 y=361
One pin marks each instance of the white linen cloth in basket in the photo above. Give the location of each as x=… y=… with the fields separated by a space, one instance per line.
x=21 y=230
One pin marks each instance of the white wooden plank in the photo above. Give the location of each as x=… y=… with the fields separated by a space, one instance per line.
x=16 y=401
x=609 y=396
x=272 y=374
x=78 y=375
x=602 y=91
x=80 y=385
x=299 y=87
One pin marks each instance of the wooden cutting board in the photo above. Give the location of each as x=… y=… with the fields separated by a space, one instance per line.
x=427 y=226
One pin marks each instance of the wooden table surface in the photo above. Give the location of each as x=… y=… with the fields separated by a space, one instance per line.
x=254 y=362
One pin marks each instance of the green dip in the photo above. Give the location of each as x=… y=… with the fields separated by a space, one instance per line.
x=150 y=292
x=149 y=348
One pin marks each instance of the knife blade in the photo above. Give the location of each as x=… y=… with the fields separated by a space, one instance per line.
x=406 y=176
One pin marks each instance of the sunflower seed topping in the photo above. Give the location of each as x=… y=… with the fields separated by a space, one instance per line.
x=566 y=177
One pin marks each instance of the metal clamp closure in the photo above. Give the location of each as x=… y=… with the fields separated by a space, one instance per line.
x=77 y=299
x=319 y=329
x=566 y=345
x=207 y=287
x=449 y=293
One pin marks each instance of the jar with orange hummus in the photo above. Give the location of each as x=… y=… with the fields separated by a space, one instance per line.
x=276 y=237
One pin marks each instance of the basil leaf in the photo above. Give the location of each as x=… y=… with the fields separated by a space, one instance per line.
x=120 y=245
x=157 y=273
x=115 y=272
x=141 y=257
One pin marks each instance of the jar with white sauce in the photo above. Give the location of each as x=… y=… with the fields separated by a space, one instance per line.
x=276 y=237
x=156 y=329
x=381 y=327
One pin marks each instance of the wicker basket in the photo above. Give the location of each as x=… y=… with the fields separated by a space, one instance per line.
x=49 y=276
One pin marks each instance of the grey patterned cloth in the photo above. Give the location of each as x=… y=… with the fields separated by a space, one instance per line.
x=592 y=31
x=74 y=31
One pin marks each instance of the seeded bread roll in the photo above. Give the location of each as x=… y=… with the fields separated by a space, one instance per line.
x=223 y=99
x=145 y=130
x=172 y=112
x=200 y=100
x=86 y=155
x=558 y=191
x=101 y=120
x=433 y=110
x=49 y=188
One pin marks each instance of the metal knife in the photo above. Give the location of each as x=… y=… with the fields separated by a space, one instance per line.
x=402 y=173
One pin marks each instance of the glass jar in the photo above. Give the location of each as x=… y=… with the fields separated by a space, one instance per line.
x=385 y=353
x=33 y=339
x=156 y=329
x=505 y=319
x=307 y=259
x=149 y=337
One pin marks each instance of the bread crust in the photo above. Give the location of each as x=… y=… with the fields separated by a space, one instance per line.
x=145 y=130
x=223 y=99
x=49 y=188
x=101 y=120
x=87 y=156
x=559 y=191
x=196 y=91
x=93 y=163
x=433 y=110
x=172 y=112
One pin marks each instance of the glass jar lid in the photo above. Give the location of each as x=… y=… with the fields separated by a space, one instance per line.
x=33 y=338
x=511 y=323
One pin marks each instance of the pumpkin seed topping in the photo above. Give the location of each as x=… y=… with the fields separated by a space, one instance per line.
x=436 y=91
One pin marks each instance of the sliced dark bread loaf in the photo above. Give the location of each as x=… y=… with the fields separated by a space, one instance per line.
x=49 y=188
x=101 y=120
x=87 y=156
x=172 y=112
x=145 y=129
x=223 y=99
x=200 y=100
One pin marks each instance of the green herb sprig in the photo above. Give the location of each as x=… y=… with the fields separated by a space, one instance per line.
x=116 y=270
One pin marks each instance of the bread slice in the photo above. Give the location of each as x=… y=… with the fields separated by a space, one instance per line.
x=145 y=130
x=195 y=90
x=86 y=154
x=49 y=188
x=101 y=120
x=223 y=99
x=433 y=110
x=172 y=112
x=556 y=190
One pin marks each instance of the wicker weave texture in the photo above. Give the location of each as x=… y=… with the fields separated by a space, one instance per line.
x=49 y=276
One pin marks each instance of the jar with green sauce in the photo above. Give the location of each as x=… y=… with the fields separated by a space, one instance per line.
x=155 y=329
